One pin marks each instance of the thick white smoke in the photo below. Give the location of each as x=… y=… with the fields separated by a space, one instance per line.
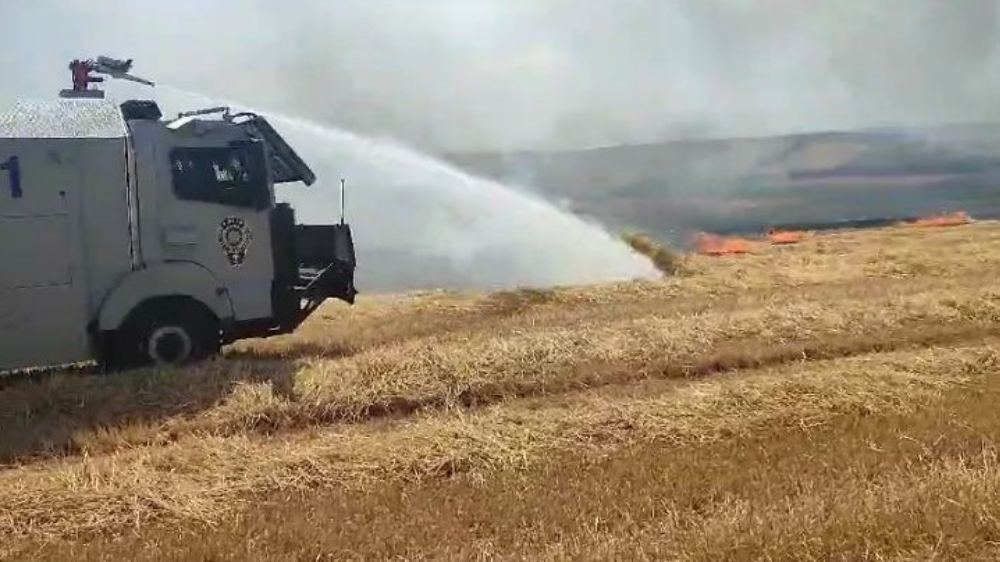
x=459 y=75
x=454 y=76
x=444 y=227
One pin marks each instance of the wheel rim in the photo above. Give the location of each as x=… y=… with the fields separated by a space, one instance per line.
x=170 y=345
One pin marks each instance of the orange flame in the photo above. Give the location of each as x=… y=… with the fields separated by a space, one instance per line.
x=782 y=237
x=713 y=245
x=953 y=219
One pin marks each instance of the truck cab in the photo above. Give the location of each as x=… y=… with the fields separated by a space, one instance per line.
x=133 y=239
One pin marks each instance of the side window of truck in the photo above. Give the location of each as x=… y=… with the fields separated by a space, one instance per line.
x=234 y=176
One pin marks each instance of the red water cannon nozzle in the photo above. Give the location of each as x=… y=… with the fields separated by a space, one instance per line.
x=82 y=79
x=82 y=75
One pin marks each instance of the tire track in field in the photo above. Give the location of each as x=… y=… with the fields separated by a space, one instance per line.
x=94 y=415
x=729 y=357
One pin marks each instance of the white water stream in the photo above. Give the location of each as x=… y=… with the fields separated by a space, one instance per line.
x=419 y=222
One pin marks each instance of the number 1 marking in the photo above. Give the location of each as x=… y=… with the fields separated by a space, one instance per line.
x=13 y=169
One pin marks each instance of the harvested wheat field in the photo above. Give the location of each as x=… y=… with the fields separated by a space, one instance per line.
x=838 y=398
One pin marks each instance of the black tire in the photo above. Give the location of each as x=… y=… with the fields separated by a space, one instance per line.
x=170 y=332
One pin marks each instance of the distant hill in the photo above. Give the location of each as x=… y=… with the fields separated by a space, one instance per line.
x=749 y=184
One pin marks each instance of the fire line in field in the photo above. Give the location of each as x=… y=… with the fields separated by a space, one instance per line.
x=785 y=237
x=714 y=245
x=717 y=245
x=949 y=219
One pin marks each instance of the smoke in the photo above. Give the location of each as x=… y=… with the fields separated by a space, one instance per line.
x=512 y=74
x=478 y=75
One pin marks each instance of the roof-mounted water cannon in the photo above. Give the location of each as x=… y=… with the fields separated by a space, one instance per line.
x=83 y=75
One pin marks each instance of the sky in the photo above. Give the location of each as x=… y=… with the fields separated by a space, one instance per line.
x=466 y=75
x=484 y=75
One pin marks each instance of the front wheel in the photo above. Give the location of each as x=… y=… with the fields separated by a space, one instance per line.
x=167 y=334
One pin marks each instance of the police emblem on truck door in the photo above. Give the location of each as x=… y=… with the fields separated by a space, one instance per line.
x=235 y=238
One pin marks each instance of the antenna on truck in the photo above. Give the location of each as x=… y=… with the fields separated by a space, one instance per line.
x=112 y=68
x=343 y=191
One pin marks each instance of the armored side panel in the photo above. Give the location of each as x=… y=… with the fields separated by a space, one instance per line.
x=64 y=237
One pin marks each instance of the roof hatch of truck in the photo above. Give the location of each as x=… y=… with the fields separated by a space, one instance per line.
x=286 y=165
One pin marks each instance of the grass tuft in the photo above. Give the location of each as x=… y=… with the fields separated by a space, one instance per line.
x=663 y=258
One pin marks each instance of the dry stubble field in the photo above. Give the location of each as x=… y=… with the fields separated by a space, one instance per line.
x=837 y=399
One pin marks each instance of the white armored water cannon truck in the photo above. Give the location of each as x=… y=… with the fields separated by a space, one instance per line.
x=132 y=240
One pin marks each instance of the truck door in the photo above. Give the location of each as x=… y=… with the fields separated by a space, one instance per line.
x=214 y=211
x=42 y=293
